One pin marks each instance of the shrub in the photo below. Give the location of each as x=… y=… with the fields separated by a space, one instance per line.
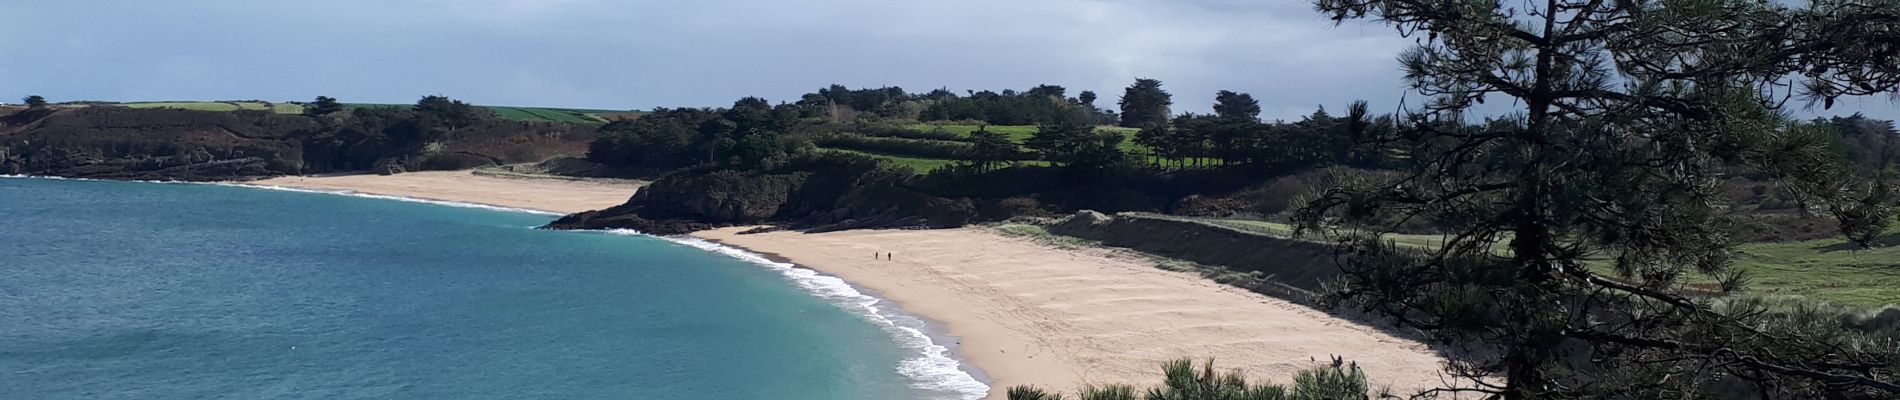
x=1183 y=381
x=1340 y=381
x=907 y=133
x=896 y=146
x=1032 y=393
x=1110 y=392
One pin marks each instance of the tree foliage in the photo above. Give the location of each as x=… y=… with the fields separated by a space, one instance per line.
x=751 y=134
x=1872 y=146
x=837 y=101
x=989 y=149
x=1144 y=103
x=439 y=112
x=1629 y=112
x=1182 y=380
x=1074 y=143
x=325 y=105
x=34 y=101
x=1235 y=135
x=1040 y=105
x=1236 y=106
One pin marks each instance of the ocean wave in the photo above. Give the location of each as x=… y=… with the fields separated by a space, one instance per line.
x=933 y=369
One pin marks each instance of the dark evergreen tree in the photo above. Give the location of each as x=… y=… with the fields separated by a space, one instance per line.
x=439 y=112
x=1871 y=145
x=324 y=105
x=1628 y=110
x=1144 y=103
x=34 y=101
x=1072 y=142
x=1159 y=139
x=989 y=149
x=661 y=138
x=1055 y=91
x=1236 y=106
x=1040 y=105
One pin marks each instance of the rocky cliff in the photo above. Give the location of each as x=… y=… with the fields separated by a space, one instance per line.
x=819 y=195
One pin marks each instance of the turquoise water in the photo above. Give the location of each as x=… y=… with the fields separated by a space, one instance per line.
x=120 y=290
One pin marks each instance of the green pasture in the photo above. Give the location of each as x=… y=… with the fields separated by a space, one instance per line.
x=919 y=165
x=1831 y=269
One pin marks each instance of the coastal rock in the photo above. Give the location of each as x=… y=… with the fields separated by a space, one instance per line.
x=817 y=198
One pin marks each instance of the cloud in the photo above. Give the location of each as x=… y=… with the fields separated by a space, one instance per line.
x=642 y=54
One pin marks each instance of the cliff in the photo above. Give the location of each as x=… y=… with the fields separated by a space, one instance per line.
x=819 y=195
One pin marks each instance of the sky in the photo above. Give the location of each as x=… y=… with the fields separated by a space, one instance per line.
x=626 y=54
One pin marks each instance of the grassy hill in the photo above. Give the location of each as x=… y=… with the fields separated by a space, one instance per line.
x=280 y=108
x=541 y=114
x=1826 y=269
x=1018 y=133
x=1021 y=133
x=525 y=114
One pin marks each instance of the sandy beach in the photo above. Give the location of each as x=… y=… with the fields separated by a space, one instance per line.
x=555 y=195
x=1024 y=312
x=1029 y=313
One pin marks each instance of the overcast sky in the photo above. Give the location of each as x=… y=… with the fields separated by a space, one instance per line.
x=625 y=54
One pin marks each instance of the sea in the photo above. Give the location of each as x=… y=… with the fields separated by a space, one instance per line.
x=140 y=290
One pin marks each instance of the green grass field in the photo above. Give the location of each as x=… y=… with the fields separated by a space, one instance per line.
x=919 y=165
x=200 y=105
x=542 y=114
x=551 y=114
x=1021 y=133
x=1018 y=133
x=1829 y=270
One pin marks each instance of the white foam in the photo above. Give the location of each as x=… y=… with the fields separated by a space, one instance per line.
x=931 y=369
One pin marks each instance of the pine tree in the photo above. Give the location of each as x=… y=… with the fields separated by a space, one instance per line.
x=324 y=105
x=1628 y=112
x=989 y=149
x=1236 y=106
x=1144 y=104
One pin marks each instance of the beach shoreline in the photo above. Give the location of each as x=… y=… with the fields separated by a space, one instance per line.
x=1013 y=312
x=938 y=331
x=558 y=196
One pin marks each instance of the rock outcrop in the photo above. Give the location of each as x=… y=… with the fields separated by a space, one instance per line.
x=818 y=198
